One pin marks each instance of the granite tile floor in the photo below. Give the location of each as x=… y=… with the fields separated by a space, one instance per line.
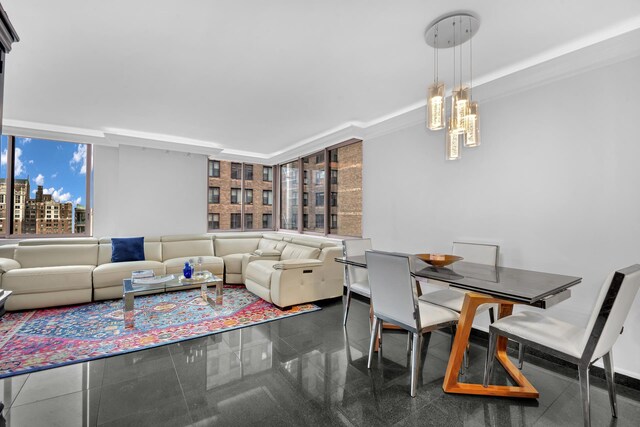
x=299 y=371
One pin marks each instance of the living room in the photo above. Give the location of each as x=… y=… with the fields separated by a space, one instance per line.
x=553 y=182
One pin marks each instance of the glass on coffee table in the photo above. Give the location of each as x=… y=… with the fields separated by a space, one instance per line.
x=131 y=288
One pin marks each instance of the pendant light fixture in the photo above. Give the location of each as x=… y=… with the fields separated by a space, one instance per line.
x=462 y=126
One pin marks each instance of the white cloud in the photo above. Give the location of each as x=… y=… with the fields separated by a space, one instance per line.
x=79 y=157
x=58 y=195
x=54 y=175
x=78 y=200
x=24 y=140
x=34 y=191
x=30 y=162
x=19 y=168
x=39 y=180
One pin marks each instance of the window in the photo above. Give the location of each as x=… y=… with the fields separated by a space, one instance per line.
x=334 y=156
x=236 y=170
x=289 y=195
x=319 y=177
x=334 y=199
x=305 y=179
x=334 y=221
x=214 y=169
x=334 y=175
x=248 y=221
x=49 y=178
x=319 y=220
x=267 y=197
x=267 y=173
x=235 y=220
x=214 y=221
x=248 y=172
x=305 y=199
x=314 y=190
x=232 y=199
x=319 y=199
x=267 y=221
x=235 y=196
x=305 y=220
x=214 y=194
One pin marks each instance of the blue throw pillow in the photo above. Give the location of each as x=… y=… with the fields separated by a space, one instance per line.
x=127 y=249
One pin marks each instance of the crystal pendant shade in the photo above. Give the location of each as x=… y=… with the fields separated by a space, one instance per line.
x=452 y=146
x=459 y=108
x=472 y=128
x=435 y=107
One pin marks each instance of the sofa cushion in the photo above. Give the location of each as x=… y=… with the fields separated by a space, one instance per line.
x=125 y=249
x=48 y=279
x=233 y=263
x=293 y=251
x=270 y=244
x=213 y=264
x=260 y=272
x=228 y=246
x=112 y=274
x=192 y=245
x=56 y=255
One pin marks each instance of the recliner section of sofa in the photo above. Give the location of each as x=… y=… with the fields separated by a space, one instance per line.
x=278 y=267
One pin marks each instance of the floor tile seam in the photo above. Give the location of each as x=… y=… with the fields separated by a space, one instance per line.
x=184 y=397
x=53 y=397
x=17 y=394
x=542 y=414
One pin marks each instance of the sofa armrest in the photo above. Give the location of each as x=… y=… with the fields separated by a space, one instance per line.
x=291 y=264
x=7 y=264
x=267 y=252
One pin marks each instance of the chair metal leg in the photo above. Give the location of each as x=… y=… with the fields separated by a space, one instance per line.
x=415 y=358
x=374 y=333
x=520 y=355
x=611 y=385
x=492 y=315
x=409 y=336
x=346 y=307
x=583 y=374
x=491 y=357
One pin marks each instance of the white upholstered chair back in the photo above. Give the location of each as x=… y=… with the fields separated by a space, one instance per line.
x=477 y=253
x=356 y=247
x=619 y=307
x=393 y=288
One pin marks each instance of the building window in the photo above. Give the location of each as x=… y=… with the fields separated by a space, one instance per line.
x=248 y=172
x=235 y=196
x=231 y=194
x=214 y=169
x=235 y=220
x=214 y=221
x=334 y=199
x=305 y=220
x=267 y=173
x=319 y=220
x=334 y=176
x=305 y=199
x=319 y=199
x=267 y=197
x=49 y=178
x=334 y=221
x=214 y=194
x=248 y=221
x=236 y=170
x=289 y=195
x=267 y=221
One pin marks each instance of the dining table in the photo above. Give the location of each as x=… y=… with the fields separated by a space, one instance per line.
x=488 y=284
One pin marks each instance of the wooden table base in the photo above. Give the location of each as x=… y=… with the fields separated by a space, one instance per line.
x=452 y=385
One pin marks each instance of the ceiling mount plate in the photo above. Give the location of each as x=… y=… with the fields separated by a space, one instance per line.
x=459 y=27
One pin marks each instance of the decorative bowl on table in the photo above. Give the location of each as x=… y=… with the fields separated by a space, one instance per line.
x=197 y=277
x=439 y=260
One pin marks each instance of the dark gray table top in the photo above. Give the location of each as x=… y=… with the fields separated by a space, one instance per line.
x=510 y=283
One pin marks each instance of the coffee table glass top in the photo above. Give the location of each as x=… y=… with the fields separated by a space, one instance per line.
x=175 y=282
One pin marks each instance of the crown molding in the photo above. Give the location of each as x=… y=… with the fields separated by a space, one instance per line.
x=55 y=132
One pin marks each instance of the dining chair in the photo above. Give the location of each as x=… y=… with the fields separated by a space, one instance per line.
x=582 y=346
x=394 y=297
x=356 y=278
x=453 y=298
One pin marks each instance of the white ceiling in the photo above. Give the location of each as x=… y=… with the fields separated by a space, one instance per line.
x=257 y=77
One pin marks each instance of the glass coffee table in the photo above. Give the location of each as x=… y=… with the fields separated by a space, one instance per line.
x=164 y=284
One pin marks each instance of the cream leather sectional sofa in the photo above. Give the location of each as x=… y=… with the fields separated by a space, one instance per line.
x=281 y=268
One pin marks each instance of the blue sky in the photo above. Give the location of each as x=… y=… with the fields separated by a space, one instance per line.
x=58 y=166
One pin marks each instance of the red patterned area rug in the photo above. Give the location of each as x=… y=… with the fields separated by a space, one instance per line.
x=41 y=339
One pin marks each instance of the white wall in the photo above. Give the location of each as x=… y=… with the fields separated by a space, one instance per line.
x=148 y=192
x=554 y=183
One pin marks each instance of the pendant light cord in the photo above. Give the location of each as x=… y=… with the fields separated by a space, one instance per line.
x=470 y=60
